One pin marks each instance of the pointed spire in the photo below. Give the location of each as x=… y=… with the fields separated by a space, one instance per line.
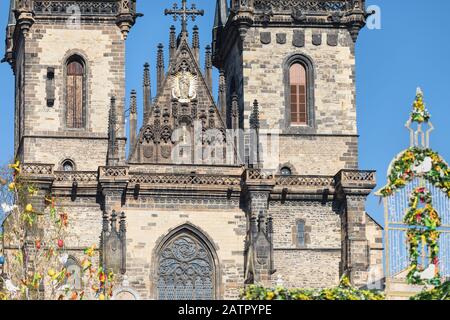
x=12 y=17
x=133 y=119
x=255 y=126
x=147 y=91
x=160 y=67
x=196 y=43
x=172 y=42
x=208 y=67
x=223 y=93
x=254 y=117
x=112 y=159
x=123 y=238
x=133 y=102
x=235 y=125
x=235 y=111
x=114 y=221
x=221 y=13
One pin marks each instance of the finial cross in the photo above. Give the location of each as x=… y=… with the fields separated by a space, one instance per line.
x=184 y=13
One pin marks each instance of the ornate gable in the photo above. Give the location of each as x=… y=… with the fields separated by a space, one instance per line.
x=183 y=116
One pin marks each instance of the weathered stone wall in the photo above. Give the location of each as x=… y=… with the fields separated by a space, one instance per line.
x=315 y=265
x=49 y=45
x=374 y=234
x=318 y=155
x=85 y=222
x=150 y=219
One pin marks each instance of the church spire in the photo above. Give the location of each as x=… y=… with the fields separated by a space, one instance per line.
x=196 y=43
x=172 y=42
x=112 y=159
x=133 y=119
x=12 y=18
x=208 y=67
x=223 y=93
x=160 y=66
x=221 y=14
x=147 y=91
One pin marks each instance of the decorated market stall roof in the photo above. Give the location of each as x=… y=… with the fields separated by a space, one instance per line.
x=419 y=160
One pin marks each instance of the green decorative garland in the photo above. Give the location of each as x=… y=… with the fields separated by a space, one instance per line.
x=345 y=291
x=441 y=292
x=426 y=216
x=403 y=171
x=415 y=238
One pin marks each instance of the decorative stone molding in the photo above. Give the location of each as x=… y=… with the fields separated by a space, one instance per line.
x=305 y=181
x=184 y=179
x=37 y=169
x=124 y=11
x=255 y=174
x=97 y=8
x=284 y=6
x=112 y=172
x=76 y=176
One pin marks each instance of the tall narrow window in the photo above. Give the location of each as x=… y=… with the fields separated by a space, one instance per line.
x=298 y=94
x=301 y=233
x=75 y=93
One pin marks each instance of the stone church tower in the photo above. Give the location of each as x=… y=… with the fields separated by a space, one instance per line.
x=205 y=207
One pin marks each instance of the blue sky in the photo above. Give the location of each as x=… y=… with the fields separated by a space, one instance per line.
x=410 y=50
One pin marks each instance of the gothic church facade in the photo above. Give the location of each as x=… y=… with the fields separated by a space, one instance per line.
x=201 y=214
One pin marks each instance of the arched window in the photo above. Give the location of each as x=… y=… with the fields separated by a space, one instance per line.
x=75 y=92
x=68 y=165
x=285 y=171
x=74 y=271
x=298 y=84
x=299 y=92
x=186 y=269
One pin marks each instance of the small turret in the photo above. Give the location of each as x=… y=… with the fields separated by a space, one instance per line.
x=160 y=66
x=133 y=119
x=147 y=91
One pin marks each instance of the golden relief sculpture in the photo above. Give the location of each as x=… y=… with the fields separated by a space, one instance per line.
x=184 y=86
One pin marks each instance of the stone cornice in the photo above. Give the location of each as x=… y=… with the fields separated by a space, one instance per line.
x=345 y=183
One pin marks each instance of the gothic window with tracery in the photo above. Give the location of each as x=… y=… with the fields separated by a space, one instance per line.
x=186 y=270
x=75 y=92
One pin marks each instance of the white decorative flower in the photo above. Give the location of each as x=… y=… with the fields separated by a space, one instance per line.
x=6 y=208
x=63 y=258
x=11 y=287
x=425 y=166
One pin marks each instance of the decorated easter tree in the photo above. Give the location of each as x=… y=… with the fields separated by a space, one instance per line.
x=33 y=256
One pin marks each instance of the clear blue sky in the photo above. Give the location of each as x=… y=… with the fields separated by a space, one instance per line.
x=412 y=49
